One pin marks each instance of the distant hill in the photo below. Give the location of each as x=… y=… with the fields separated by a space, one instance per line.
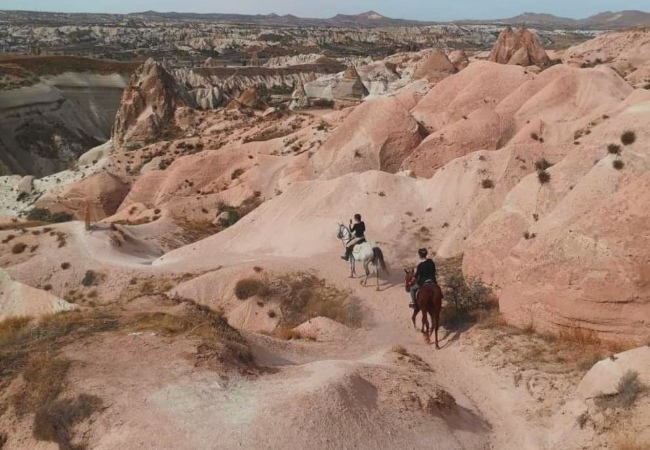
x=603 y=21
x=371 y=19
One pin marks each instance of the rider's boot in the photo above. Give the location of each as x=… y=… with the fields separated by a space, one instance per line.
x=346 y=257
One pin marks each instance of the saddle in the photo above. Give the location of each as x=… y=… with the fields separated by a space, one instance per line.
x=357 y=247
x=429 y=282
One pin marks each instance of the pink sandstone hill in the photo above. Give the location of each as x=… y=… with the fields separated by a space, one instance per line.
x=377 y=135
x=101 y=193
x=520 y=48
x=435 y=67
x=148 y=105
x=537 y=180
x=459 y=59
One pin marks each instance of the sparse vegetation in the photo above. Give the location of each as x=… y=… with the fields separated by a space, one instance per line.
x=628 y=137
x=487 y=184
x=400 y=350
x=465 y=301
x=54 y=421
x=44 y=215
x=288 y=334
x=628 y=390
x=618 y=164
x=381 y=194
x=236 y=173
x=250 y=287
x=544 y=177
x=18 y=248
x=542 y=164
x=91 y=278
x=302 y=296
x=614 y=149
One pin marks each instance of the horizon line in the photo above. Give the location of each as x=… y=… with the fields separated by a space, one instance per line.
x=318 y=18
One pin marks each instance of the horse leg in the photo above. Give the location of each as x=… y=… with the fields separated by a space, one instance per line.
x=377 y=276
x=436 y=321
x=415 y=315
x=352 y=268
x=425 y=326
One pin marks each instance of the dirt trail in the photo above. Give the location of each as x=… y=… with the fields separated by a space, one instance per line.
x=474 y=385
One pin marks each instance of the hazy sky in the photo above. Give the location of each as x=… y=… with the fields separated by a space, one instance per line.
x=408 y=9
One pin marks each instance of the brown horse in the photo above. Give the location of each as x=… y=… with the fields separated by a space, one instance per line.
x=428 y=300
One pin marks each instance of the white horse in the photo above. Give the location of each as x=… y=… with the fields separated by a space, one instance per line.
x=365 y=253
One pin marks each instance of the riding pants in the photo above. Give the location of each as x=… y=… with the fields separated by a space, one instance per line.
x=414 y=290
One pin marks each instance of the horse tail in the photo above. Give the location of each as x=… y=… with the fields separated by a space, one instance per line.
x=379 y=255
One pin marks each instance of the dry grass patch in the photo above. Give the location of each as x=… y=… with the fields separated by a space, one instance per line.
x=217 y=339
x=301 y=297
x=288 y=334
x=304 y=296
x=12 y=327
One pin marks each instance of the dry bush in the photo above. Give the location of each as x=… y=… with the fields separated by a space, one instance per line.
x=18 y=248
x=628 y=390
x=466 y=302
x=65 y=265
x=53 y=421
x=618 y=164
x=91 y=278
x=487 y=184
x=542 y=164
x=628 y=137
x=236 y=173
x=399 y=349
x=250 y=287
x=543 y=176
x=614 y=149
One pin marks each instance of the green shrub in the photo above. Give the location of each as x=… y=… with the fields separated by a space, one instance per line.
x=465 y=300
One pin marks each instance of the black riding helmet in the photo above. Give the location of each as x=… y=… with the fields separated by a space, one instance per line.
x=423 y=253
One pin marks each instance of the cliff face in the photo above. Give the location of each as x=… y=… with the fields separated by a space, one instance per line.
x=46 y=126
